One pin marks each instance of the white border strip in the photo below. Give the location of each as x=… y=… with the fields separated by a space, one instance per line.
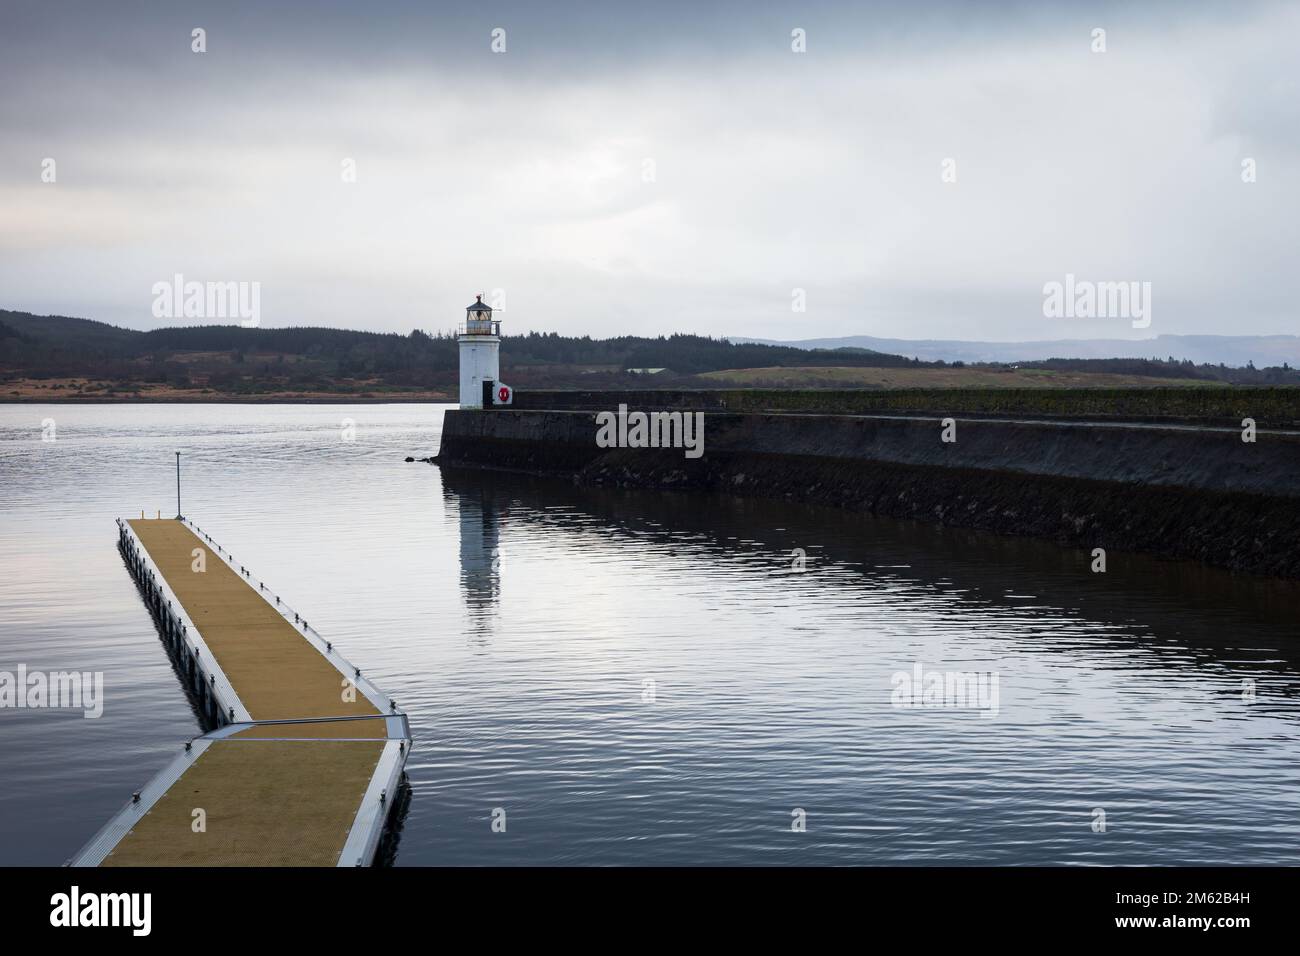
x=368 y=827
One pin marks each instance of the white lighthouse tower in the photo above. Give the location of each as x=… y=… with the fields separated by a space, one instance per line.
x=480 y=346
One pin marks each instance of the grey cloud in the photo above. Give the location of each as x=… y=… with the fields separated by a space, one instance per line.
x=772 y=170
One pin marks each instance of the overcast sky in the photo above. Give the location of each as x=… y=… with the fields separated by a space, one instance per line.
x=654 y=167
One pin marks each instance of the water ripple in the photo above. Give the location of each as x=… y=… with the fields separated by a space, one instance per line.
x=653 y=678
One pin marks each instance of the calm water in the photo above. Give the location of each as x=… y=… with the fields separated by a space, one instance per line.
x=644 y=678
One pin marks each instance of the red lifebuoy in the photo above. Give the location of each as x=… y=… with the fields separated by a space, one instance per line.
x=503 y=393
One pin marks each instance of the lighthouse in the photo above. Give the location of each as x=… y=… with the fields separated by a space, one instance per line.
x=480 y=346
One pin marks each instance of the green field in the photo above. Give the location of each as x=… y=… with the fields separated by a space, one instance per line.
x=849 y=377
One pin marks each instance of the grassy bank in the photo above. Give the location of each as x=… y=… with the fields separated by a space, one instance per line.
x=949 y=377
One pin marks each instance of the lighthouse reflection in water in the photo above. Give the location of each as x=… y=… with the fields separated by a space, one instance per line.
x=480 y=549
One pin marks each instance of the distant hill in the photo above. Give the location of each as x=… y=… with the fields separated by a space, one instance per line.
x=1236 y=351
x=106 y=360
x=44 y=357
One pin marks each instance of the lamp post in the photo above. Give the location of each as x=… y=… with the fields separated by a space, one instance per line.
x=178 y=486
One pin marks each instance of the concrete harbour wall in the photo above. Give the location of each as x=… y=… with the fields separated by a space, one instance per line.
x=1196 y=493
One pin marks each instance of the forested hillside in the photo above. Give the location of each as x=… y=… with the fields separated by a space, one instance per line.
x=231 y=358
x=57 y=356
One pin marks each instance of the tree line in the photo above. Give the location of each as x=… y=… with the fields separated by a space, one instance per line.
x=230 y=357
